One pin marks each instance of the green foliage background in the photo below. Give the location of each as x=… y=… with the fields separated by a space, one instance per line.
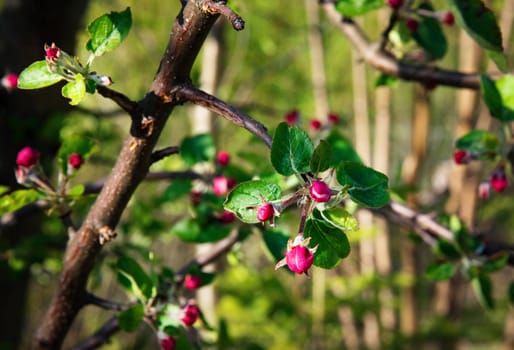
x=265 y=71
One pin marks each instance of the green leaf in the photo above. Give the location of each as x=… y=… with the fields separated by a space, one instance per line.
x=169 y=317
x=134 y=279
x=440 y=271
x=76 y=191
x=75 y=90
x=276 y=242
x=321 y=157
x=429 y=35
x=108 y=31
x=342 y=149
x=505 y=86
x=198 y=148
x=385 y=80
x=366 y=186
x=37 y=76
x=479 y=141
x=291 y=150
x=332 y=242
x=190 y=231
x=499 y=59
x=18 y=199
x=131 y=318
x=175 y=190
x=496 y=263
x=84 y=146
x=492 y=97
x=341 y=218
x=246 y=198
x=483 y=289
x=352 y=8
x=479 y=22
x=446 y=249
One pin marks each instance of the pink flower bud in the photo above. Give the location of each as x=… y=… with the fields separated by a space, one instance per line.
x=395 y=3
x=448 y=18
x=192 y=282
x=227 y=217
x=265 y=212
x=52 y=53
x=75 y=161
x=10 y=81
x=498 y=179
x=27 y=157
x=333 y=118
x=462 y=157
x=292 y=117
x=299 y=259
x=315 y=124
x=320 y=192
x=221 y=185
x=168 y=343
x=223 y=158
x=190 y=314
x=412 y=24
x=484 y=190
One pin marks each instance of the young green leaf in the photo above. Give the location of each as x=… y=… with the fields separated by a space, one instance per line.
x=483 y=289
x=479 y=141
x=440 y=271
x=131 y=318
x=37 y=76
x=276 y=242
x=342 y=149
x=352 y=8
x=492 y=97
x=175 y=190
x=291 y=150
x=385 y=80
x=341 y=218
x=479 y=22
x=333 y=243
x=246 y=198
x=198 y=148
x=75 y=90
x=134 y=279
x=366 y=186
x=430 y=36
x=505 y=87
x=18 y=199
x=169 y=317
x=108 y=31
x=321 y=158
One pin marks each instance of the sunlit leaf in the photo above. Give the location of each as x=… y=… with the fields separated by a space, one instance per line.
x=37 y=76
x=131 y=318
x=107 y=32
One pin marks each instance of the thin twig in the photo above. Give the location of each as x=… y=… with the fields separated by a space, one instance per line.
x=103 y=303
x=163 y=153
x=212 y=103
x=101 y=336
x=220 y=8
x=120 y=99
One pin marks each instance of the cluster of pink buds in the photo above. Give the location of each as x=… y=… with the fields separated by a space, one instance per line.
x=27 y=162
x=167 y=342
x=10 y=81
x=190 y=314
x=299 y=257
x=221 y=185
x=192 y=282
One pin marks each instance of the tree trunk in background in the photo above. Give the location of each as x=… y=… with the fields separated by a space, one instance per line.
x=319 y=89
x=381 y=151
x=410 y=176
x=25 y=26
x=202 y=122
x=371 y=334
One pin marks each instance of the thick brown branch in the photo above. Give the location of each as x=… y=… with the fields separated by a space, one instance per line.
x=188 y=34
x=387 y=64
x=201 y=98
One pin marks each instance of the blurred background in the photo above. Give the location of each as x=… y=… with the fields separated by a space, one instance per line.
x=288 y=57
